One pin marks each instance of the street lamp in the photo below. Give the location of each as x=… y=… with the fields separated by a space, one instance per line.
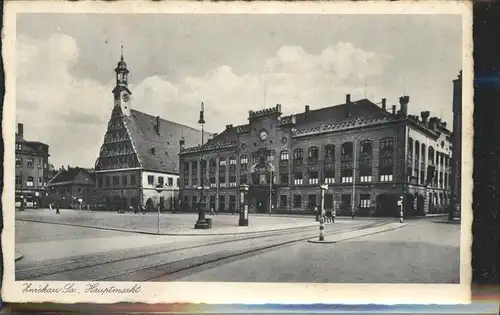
x=201 y=223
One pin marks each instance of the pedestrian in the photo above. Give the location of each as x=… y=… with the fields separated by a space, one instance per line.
x=316 y=213
x=212 y=212
x=57 y=209
x=50 y=206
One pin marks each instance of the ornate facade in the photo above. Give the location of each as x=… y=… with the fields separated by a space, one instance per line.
x=368 y=156
x=138 y=157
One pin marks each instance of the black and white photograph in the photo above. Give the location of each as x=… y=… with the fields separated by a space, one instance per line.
x=234 y=147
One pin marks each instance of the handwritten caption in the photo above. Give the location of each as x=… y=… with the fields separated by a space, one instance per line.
x=72 y=288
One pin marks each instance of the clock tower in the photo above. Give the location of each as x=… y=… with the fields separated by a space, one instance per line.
x=121 y=92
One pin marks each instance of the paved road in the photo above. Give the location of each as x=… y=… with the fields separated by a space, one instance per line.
x=70 y=253
x=422 y=252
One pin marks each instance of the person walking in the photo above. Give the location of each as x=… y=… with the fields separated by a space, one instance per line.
x=57 y=209
x=50 y=206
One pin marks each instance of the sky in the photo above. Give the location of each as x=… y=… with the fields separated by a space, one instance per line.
x=233 y=63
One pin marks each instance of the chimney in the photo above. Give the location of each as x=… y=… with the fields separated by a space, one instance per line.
x=384 y=104
x=394 y=109
x=348 y=105
x=158 y=125
x=229 y=127
x=307 y=111
x=425 y=117
x=433 y=123
x=182 y=142
x=403 y=101
x=20 y=130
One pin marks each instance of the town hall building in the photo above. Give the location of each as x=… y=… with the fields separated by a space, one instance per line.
x=368 y=155
x=138 y=161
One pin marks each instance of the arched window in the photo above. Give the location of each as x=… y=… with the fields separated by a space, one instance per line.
x=232 y=162
x=410 y=148
x=347 y=151
x=386 y=159
x=243 y=160
x=313 y=154
x=423 y=152
x=284 y=155
x=431 y=155
x=417 y=150
x=297 y=155
x=366 y=148
x=329 y=152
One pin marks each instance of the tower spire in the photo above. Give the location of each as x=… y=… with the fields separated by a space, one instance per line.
x=122 y=52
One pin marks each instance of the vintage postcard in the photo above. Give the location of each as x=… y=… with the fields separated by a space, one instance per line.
x=237 y=152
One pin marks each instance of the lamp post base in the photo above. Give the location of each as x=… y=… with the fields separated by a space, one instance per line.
x=201 y=225
x=243 y=222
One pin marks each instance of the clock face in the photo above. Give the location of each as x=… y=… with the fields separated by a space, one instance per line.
x=125 y=97
x=263 y=135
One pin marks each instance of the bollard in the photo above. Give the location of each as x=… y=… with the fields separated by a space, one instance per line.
x=321 y=229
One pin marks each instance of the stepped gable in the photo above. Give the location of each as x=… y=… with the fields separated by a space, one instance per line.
x=158 y=151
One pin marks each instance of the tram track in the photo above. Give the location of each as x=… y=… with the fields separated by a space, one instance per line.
x=151 y=270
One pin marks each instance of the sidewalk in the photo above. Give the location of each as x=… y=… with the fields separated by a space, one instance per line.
x=170 y=224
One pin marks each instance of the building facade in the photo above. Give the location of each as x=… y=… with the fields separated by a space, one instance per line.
x=73 y=187
x=138 y=160
x=367 y=154
x=32 y=160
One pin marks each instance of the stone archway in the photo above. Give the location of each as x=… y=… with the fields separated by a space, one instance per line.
x=420 y=205
x=409 y=205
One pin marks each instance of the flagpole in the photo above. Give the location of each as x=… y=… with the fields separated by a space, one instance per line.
x=354 y=180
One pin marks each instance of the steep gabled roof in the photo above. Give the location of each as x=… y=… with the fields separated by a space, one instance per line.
x=334 y=114
x=158 y=151
x=72 y=175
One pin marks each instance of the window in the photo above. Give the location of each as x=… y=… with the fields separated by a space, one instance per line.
x=30 y=163
x=132 y=180
x=108 y=181
x=124 y=180
x=386 y=178
x=347 y=176
x=329 y=152
x=386 y=146
x=161 y=180
x=298 y=178
x=422 y=177
x=297 y=201
x=312 y=199
x=283 y=201
x=40 y=181
x=313 y=154
x=19 y=162
x=222 y=203
x=29 y=181
x=365 y=201
x=222 y=162
x=222 y=172
x=284 y=179
x=269 y=156
x=313 y=177
x=116 y=180
x=39 y=163
x=178 y=182
x=244 y=160
x=19 y=180
x=366 y=179
x=99 y=182
x=170 y=181
x=297 y=156
x=151 y=180
x=232 y=161
x=347 y=151
x=284 y=156
x=19 y=147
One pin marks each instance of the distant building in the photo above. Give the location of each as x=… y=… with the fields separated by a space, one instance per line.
x=139 y=154
x=73 y=187
x=456 y=170
x=368 y=156
x=31 y=171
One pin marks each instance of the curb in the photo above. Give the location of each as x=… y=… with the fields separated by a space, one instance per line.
x=165 y=234
x=18 y=256
x=340 y=238
x=456 y=222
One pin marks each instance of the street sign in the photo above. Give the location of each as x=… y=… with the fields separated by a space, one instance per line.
x=159 y=188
